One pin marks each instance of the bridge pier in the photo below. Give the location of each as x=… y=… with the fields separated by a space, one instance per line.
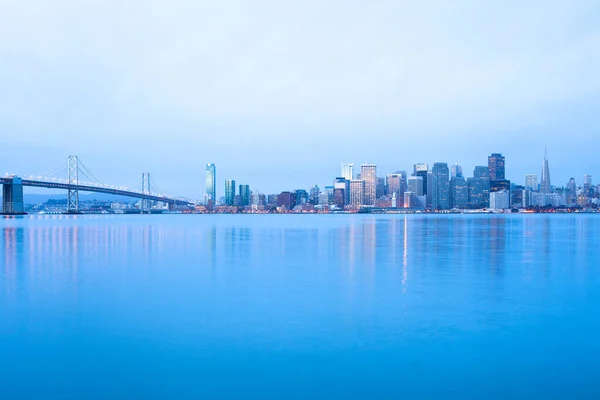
x=12 y=197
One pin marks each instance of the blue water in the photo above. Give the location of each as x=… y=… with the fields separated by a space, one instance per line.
x=300 y=306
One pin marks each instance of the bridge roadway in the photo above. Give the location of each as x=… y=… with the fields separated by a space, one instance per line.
x=99 y=189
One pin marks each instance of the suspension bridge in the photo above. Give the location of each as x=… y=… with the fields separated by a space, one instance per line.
x=73 y=176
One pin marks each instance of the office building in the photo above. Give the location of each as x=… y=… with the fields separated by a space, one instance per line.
x=456 y=170
x=531 y=182
x=348 y=171
x=301 y=197
x=229 y=192
x=357 y=192
x=343 y=184
x=500 y=200
x=244 y=195
x=459 y=192
x=479 y=188
x=422 y=170
x=313 y=196
x=415 y=185
x=286 y=200
x=210 y=196
x=496 y=166
x=368 y=174
x=440 y=186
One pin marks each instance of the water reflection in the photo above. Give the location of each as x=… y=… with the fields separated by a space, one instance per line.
x=371 y=249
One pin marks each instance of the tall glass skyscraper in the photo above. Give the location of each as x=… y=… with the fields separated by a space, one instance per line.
x=440 y=186
x=244 y=195
x=229 y=192
x=368 y=173
x=479 y=188
x=211 y=184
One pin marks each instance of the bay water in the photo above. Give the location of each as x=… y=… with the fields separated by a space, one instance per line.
x=300 y=306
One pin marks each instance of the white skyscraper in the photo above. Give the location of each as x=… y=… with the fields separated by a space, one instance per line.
x=348 y=171
x=368 y=173
x=531 y=182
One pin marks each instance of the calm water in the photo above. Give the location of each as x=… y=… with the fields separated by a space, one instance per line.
x=300 y=307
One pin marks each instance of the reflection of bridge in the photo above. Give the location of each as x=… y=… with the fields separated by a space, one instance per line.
x=12 y=198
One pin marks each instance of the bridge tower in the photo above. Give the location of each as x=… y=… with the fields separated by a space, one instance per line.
x=146 y=192
x=73 y=195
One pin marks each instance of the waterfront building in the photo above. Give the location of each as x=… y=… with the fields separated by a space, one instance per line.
x=440 y=186
x=396 y=184
x=210 y=196
x=286 y=200
x=229 y=192
x=273 y=200
x=244 y=195
x=422 y=170
x=516 y=196
x=500 y=200
x=545 y=185
x=496 y=166
x=357 y=192
x=368 y=174
x=301 y=197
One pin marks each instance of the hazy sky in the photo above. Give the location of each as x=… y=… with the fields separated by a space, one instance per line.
x=278 y=93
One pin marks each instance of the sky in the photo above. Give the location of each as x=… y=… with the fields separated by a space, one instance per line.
x=278 y=93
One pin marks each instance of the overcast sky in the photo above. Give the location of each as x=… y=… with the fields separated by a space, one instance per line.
x=278 y=93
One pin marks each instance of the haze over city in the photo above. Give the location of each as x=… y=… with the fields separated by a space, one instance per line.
x=277 y=94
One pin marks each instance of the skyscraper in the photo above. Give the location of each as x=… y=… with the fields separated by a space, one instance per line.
x=459 y=192
x=415 y=185
x=496 y=166
x=456 y=170
x=587 y=185
x=545 y=185
x=479 y=188
x=422 y=170
x=531 y=182
x=229 y=192
x=244 y=195
x=368 y=173
x=348 y=171
x=440 y=186
x=357 y=192
x=341 y=186
x=396 y=184
x=571 y=191
x=211 y=184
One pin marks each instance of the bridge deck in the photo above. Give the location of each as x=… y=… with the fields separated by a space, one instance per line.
x=98 y=189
